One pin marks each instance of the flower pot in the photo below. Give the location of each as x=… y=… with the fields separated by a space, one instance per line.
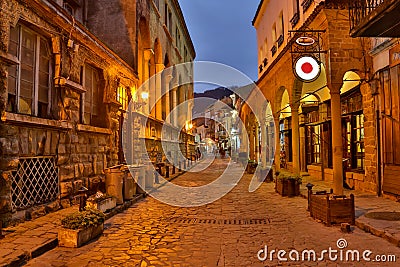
x=103 y=205
x=76 y=238
x=288 y=187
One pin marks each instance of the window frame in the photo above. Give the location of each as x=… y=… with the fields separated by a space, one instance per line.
x=94 y=118
x=38 y=41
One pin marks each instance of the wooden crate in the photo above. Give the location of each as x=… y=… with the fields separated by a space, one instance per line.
x=332 y=210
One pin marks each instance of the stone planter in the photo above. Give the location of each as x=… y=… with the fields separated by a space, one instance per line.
x=287 y=187
x=76 y=238
x=332 y=210
x=103 y=205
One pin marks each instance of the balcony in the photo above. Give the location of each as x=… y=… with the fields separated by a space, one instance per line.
x=375 y=18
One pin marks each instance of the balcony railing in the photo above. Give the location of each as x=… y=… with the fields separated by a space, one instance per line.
x=374 y=18
x=360 y=9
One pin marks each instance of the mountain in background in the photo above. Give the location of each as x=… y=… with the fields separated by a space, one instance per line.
x=217 y=93
x=200 y=103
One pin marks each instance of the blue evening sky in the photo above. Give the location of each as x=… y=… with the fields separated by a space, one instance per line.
x=221 y=32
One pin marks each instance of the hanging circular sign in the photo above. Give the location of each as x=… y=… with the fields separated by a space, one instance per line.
x=305 y=41
x=307 y=68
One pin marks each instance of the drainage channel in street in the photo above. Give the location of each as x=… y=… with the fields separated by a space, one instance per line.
x=219 y=221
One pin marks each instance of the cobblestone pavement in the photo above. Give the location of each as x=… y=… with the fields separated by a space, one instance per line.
x=228 y=232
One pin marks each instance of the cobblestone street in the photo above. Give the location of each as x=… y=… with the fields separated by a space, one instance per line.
x=228 y=232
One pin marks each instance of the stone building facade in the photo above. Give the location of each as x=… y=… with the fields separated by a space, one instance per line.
x=66 y=80
x=325 y=126
x=374 y=21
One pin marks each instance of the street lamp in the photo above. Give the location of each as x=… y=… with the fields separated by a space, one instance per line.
x=145 y=95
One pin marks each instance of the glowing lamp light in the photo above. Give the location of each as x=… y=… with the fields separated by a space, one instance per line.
x=145 y=95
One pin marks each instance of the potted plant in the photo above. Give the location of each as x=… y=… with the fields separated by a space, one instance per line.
x=80 y=227
x=102 y=202
x=251 y=166
x=288 y=184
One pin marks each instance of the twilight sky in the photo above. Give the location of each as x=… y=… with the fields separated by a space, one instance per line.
x=221 y=31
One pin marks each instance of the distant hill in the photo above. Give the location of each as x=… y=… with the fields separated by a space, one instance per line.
x=217 y=93
x=213 y=95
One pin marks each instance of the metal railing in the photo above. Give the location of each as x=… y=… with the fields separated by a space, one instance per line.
x=360 y=9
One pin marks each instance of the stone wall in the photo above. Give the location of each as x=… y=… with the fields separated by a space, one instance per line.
x=81 y=152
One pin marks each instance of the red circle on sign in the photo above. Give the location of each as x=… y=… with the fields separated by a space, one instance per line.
x=307 y=67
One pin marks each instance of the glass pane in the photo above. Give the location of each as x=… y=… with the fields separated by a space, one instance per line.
x=44 y=79
x=14 y=41
x=43 y=95
x=28 y=48
x=26 y=89
x=12 y=79
x=42 y=110
x=25 y=105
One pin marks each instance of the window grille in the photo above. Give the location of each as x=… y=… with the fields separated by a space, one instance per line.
x=34 y=182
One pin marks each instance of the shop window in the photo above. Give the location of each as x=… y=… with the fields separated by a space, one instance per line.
x=358 y=145
x=353 y=130
x=313 y=144
x=29 y=79
x=285 y=137
x=270 y=141
x=92 y=97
